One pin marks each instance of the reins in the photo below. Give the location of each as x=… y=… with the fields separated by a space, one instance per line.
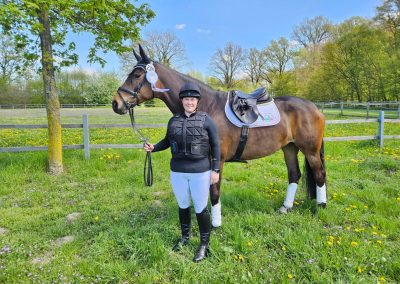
x=151 y=77
x=148 y=165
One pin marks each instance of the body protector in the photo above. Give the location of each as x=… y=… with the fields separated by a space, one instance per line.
x=187 y=136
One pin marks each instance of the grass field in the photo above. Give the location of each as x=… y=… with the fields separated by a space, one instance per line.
x=98 y=223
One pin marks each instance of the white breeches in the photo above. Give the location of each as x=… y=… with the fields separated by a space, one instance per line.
x=195 y=185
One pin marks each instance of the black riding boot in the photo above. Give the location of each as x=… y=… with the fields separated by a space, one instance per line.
x=184 y=219
x=203 y=219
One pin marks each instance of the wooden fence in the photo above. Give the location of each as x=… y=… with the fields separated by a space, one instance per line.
x=87 y=146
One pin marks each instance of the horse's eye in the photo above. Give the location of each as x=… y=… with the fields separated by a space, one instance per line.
x=137 y=75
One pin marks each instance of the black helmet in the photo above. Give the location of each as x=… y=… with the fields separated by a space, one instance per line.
x=189 y=90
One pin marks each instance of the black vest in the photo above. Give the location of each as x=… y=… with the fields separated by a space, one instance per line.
x=187 y=136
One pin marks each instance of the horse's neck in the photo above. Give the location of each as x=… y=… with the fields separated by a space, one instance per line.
x=211 y=100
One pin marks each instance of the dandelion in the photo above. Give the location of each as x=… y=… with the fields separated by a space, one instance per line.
x=329 y=243
x=381 y=279
x=354 y=244
x=96 y=218
x=379 y=242
x=249 y=244
x=374 y=233
x=290 y=276
x=359 y=269
x=284 y=248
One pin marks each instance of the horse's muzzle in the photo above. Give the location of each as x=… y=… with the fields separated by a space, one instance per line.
x=116 y=109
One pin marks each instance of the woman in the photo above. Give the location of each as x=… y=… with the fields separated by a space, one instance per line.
x=193 y=138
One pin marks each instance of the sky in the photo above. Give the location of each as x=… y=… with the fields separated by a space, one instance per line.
x=204 y=26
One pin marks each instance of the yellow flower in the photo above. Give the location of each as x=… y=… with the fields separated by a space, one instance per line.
x=354 y=244
x=96 y=218
x=329 y=243
x=381 y=279
x=284 y=248
x=359 y=269
x=290 y=276
x=249 y=244
x=331 y=238
x=383 y=236
x=379 y=242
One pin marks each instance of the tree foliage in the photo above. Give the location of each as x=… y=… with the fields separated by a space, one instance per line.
x=111 y=22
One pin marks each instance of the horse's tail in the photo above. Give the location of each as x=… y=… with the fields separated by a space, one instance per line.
x=308 y=177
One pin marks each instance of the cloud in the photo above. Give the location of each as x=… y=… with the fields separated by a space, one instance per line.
x=203 y=31
x=180 y=26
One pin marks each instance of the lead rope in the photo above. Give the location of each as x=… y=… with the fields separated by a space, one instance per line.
x=148 y=166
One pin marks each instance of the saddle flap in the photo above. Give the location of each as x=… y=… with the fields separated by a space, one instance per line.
x=244 y=109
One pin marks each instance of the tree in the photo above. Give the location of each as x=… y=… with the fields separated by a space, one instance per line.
x=226 y=63
x=255 y=66
x=164 y=47
x=111 y=23
x=312 y=32
x=388 y=14
x=101 y=89
x=12 y=61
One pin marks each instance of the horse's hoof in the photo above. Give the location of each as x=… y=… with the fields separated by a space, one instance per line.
x=283 y=210
x=322 y=205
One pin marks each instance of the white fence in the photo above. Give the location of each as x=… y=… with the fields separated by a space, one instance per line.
x=87 y=146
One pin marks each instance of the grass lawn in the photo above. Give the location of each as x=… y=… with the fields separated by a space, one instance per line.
x=98 y=223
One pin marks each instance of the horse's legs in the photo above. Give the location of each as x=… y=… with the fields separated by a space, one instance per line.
x=290 y=152
x=316 y=165
x=215 y=193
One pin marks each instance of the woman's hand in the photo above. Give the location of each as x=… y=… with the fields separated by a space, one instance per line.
x=214 y=177
x=148 y=147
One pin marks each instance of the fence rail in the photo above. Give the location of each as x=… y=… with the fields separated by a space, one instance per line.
x=87 y=146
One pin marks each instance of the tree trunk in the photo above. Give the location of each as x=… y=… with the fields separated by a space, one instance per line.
x=55 y=165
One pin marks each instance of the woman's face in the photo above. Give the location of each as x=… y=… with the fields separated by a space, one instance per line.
x=190 y=104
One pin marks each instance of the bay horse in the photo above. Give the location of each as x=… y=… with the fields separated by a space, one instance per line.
x=300 y=129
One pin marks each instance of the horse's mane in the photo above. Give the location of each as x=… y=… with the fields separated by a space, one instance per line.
x=204 y=88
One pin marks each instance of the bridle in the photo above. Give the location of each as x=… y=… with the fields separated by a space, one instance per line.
x=135 y=92
x=148 y=166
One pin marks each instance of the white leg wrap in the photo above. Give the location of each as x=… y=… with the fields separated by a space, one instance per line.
x=290 y=194
x=321 y=194
x=216 y=218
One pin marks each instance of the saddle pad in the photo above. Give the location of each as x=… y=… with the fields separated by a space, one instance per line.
x=268 y=110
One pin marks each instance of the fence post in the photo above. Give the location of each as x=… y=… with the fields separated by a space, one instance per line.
x=381 y=121
x=341 y=108
x=367 y=110
x=86 y=145
x=398 y=111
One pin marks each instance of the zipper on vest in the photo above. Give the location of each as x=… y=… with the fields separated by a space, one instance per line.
x=184 y=135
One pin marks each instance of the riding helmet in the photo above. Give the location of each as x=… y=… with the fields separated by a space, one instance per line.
x=189 y=90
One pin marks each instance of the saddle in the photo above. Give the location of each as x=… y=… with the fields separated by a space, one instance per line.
x=244 y=106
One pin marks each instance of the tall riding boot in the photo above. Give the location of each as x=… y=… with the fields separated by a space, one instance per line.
x=203 y=219
x=184 y=219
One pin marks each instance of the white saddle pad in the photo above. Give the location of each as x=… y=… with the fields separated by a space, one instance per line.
x=268 y=110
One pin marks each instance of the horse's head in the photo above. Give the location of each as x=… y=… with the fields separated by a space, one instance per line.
x=139 y=86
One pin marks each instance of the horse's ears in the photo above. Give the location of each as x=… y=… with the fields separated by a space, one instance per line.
x=143 y=54
x=137 y=56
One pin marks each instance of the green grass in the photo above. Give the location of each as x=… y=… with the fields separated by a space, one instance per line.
x=125 y=230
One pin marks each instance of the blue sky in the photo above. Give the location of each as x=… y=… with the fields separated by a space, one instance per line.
x=203 y=26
